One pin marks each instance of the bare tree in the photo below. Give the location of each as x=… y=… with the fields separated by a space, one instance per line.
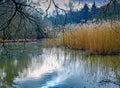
x=21 y=17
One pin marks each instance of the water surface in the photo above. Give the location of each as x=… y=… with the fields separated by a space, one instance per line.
x=35 y=66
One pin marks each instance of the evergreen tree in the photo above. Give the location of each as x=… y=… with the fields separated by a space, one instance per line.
x=85 y=13
x=94 y=9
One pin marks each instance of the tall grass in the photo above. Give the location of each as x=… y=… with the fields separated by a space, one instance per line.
x=95 y=39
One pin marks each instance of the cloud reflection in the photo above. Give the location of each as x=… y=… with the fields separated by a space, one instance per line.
x=64 y=69
x=46 y=64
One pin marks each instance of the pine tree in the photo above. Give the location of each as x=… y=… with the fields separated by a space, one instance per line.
x=94 y=9
x=85 y=13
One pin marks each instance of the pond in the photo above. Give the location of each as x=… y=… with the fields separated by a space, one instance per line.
x=35 y=66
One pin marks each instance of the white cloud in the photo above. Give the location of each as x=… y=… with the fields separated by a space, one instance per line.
x=64 y=4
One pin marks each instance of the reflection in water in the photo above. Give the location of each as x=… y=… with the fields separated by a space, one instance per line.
x=39 y=66
x=59 y=68
x=47 y=63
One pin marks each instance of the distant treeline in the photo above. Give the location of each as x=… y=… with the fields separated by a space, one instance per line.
x=110 y=11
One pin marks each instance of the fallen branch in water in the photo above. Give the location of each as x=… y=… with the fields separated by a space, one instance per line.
x=17 y=40
x=110 y=81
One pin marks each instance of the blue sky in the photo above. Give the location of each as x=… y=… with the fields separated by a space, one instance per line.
x=91 y=0
x=100 y=2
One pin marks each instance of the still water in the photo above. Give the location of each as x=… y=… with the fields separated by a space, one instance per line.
x=35 y=66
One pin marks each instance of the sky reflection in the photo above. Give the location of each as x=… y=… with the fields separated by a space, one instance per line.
x=56 y=68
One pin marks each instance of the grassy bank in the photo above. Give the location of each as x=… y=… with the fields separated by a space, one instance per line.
x=94 y=39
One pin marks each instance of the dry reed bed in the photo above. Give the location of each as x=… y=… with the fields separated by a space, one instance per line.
x=94 y=39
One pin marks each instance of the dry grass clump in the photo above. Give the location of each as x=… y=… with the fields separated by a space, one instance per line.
x=95 y=39
x=52 y=42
